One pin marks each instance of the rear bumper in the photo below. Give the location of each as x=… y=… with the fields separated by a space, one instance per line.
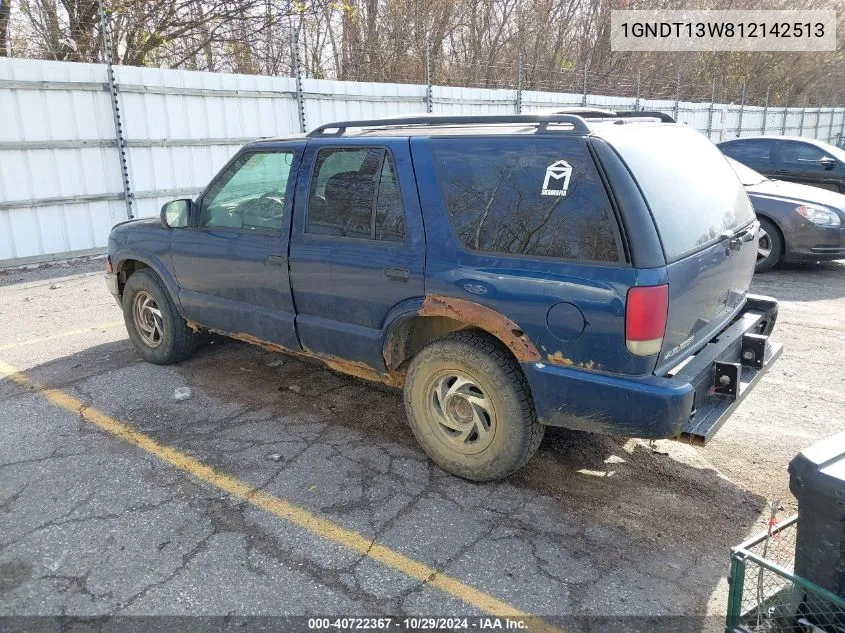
x=690 y=403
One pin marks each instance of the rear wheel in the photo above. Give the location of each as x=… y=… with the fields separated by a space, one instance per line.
x=155 y=327
x=769 y=246
x=470 y=408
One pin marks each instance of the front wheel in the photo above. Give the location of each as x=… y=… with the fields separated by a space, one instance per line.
x=470 y=407
x=769 y=246
x=155 y=327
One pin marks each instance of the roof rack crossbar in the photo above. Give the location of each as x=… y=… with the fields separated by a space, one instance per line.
x=587 y=112
x=578 y=124
x=648 y=114
x=599 y=113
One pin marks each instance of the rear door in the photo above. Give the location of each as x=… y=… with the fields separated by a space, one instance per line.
x=756 y=153
x=357 y=245
x=231 y=262
x=706 y=226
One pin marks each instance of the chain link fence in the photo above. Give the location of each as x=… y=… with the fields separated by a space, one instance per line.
x=767 y=597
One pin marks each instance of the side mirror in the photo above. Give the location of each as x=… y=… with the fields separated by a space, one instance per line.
x=827 y=162
x=174 y=214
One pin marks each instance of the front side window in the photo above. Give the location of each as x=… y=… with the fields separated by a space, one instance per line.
x=538 y=197
x=250 y=194
x=354 y=193
x=794 y=153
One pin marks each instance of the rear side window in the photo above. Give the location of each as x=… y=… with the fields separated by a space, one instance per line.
x=355 y=194
x=749 y=150
x=691 y=189
x=538 y=197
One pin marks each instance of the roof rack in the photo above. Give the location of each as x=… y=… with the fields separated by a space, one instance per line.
x=647 y=114
x=599 y=113
x=587 y=113
x=579 y=125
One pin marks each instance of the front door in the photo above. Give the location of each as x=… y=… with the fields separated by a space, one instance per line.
x=806 y=163
x=357 y=246
x=231 y=262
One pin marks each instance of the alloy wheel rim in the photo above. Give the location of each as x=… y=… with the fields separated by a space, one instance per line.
x=146 y=317
x=461 y=413
x=764 y=245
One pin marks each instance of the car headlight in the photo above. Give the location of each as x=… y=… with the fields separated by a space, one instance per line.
x=819 y=215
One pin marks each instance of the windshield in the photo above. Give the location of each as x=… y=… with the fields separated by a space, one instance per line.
x=747 y=176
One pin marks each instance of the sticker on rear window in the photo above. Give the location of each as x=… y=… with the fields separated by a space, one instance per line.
x=557 y=175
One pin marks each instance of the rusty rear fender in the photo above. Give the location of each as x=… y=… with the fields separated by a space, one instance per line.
x=415 y=323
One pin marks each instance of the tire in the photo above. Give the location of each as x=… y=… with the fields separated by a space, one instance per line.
x=770 y=246
x=470 y=407
x=155 y=327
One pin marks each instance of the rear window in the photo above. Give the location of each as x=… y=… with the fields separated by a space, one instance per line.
x=692 y=191
x=537 y=197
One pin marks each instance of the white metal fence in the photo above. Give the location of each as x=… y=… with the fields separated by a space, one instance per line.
x=61 y=184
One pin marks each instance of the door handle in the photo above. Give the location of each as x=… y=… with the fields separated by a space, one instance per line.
x=277 y=260
x=783 y=171
x=397 y=274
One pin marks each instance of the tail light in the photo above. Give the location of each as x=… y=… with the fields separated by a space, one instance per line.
x=109 y=267
x=645 y=319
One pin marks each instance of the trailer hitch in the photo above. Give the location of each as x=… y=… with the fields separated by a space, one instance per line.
x=726 y=382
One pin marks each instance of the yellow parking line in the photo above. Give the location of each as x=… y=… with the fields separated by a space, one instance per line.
x=44 y=339
x=282 y=509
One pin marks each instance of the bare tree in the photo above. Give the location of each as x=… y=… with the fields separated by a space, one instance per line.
x=5 y=14
x=469 y=42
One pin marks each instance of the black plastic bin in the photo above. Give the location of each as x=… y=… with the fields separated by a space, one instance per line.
x=817 y=479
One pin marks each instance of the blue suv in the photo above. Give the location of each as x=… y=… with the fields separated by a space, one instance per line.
x=510 y=273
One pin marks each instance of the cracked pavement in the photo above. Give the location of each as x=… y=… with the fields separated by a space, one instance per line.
x=93 y=525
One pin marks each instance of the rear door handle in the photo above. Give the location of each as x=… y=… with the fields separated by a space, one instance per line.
x=397 y=274
x=277 y=260
x=783 y=171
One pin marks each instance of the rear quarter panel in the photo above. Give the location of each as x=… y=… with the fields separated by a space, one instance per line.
x=526 y=289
